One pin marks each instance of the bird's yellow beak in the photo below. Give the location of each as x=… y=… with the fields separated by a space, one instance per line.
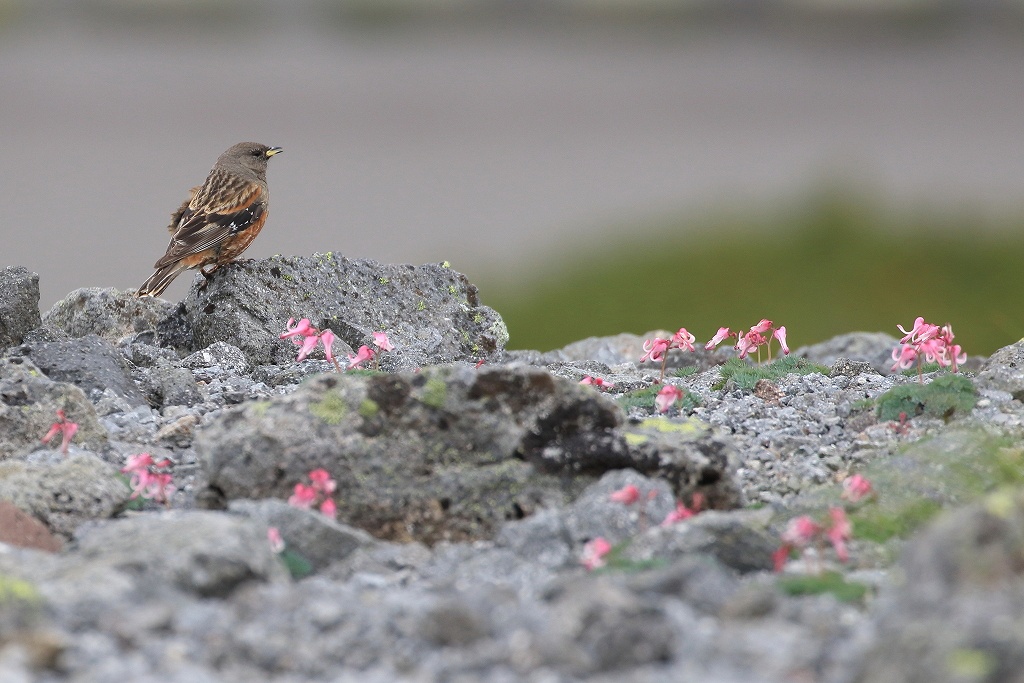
x=272 y=151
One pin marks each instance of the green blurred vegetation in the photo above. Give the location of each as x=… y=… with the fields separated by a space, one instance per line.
x=826 y=265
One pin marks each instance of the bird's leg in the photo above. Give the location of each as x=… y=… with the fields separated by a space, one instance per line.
x=207 y=275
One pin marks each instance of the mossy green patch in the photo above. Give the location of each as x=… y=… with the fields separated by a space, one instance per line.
x=259 y=408
x=826 y=582
x=15 y=589
x=435 y=393
x=874 y=523
x=684 y=372
x=331 y=408
x=644 y=398
x=942 y=397
x=368 y=408
x=298 y=566
x=747 y=376
x=666 y=426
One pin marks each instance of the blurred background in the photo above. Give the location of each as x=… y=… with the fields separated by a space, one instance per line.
x=594 y=166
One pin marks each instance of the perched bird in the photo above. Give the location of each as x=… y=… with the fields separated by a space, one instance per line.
x=222 y=217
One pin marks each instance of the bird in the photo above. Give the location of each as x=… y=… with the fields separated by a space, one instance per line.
x=219 y=220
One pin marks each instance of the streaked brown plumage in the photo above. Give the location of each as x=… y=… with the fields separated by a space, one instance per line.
x=222 y=217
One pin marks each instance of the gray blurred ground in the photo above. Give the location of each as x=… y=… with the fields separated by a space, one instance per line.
x=484 y=143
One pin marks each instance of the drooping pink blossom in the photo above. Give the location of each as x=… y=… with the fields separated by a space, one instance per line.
x=275 y=540
x=65 y=428
x=682 y=512
x=762 y=326
x=780 y=334
x=594 y=553
x=149 y=479
x=856 y=488
x=627 y=495
x=683 y=340
x=364 y=354
x=328 y=508
x=303 y=496
x=800 y=531
x=300 y=329
x=382 y=342
x=322 y=482
x=655 y=349
x=840 y=532
x=597 y=382
x=720 y=336
x=666 y=397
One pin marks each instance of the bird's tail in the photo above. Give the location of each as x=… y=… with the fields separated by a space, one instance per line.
x=159 y=280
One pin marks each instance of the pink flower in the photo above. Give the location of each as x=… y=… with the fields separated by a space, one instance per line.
x=300 y=329
x=655 y=349
x=683 y=340
x=329 y=509
x=856 y=488
x=921 y=331
x=65 y=428
x=720 y=336
x=682 y=512
x=322 y=482
x=840 y=532
x=147 y=480
x=308 y=344
x=904 y=357
x=597 y=382
x=364 y=354
x=594 y=553
x=668 y=395
x=780 y=556
x=382 y=342
x=275 y=540
x=327 y=339
x=762 y=326
x=780 y=334
x=303 y=497
x=627 y=495
x=957 y=356
x=800 y=531
x=746 y=344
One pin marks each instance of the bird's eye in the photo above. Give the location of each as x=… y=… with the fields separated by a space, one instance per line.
x=257 y=153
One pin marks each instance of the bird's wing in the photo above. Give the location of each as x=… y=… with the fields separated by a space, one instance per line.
x=206 y=228
x=184 y=211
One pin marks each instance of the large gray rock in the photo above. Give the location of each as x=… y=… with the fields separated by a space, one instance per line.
x=447 y=453
x=91 y=363
x=431 y=313
x=29 y=402
x=1004 y=371
x=19 y=304
x=105 y=312
x=870 y=347
x=955 y=608
x=65 y=494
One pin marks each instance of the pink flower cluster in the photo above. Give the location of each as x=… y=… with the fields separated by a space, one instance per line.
x=149 y=479
x=667 y=397
x=65 y=428
x=630 y=494
x=317 y=492
x=304 y=335
x=931 y=342
x=657 y=349
x=757 y=336
x=365 y=353
x=594 y=553
x=856 y=488
x=597 y=382
x=803 y=531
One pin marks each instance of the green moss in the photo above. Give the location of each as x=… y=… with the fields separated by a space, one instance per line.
x=298 y=566
x=942 y=397
x=435 y=393
x=971 y=664
x=451 y=289
x=878 y=524
x=826 y=582
x=863 y=404
x=421 y=306
x=478 y=318
x=927 y=367
x=384 y=280
x=665 y=426
x=368 y=408
x=684 y=372
x=331 y=409
x=747 y=376
x=644 y=398
x=15 y=589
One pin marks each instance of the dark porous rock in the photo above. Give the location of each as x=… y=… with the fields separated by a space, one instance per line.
x=219 y=355
x=953 y=611
x=29 y=402
x=19 y=304
x=1004 y=371
x=105 y=312
x=844 y=367
x=317 y=538
x=871 y=347
x=440 y=454
x=65 y=494
x=688 y=455
x=431 y=313
x=170 y=385
x=91 y=363
x=737 y=539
